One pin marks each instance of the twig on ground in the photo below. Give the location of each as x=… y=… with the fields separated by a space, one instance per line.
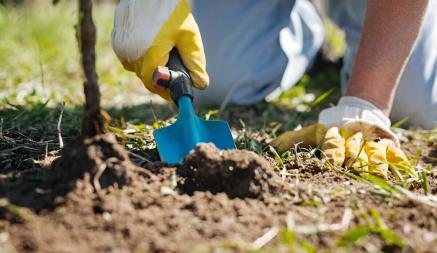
x=307 y=213
x=307 y=229
x=265 y=238
x=139 y=157
x=61 y=142
x=46 y=153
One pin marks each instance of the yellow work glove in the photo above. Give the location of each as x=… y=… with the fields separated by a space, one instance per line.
x=144 y=33
x=359 y=144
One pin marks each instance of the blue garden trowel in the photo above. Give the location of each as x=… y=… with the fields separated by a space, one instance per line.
x=177 y=140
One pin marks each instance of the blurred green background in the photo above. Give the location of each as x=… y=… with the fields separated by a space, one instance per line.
x=39 y=56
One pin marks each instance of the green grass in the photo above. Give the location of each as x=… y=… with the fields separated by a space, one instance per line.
x=372 y=228
x=26 y=132
x=375 y=226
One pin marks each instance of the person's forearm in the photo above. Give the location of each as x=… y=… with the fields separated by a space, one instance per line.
x=389 y=34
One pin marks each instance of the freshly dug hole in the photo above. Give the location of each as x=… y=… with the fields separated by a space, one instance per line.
x=238 y=173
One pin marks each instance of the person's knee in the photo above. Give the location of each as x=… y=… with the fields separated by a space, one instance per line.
x=416 y=99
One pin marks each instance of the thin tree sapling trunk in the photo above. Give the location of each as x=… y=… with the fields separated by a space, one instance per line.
x=99 y=155
x=92 y=123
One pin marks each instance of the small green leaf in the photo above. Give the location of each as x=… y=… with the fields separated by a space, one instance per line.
x=392 y=238
x=211 y=113
x=399 y=123
x=288 y=236
x=322 y=97
x=379 y=182
x=307 y=247
x=355 y=234
x=424 y=181
x=277 y=156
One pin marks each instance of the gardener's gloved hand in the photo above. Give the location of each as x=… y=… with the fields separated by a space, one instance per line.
x=356 y=134
x=144 y=33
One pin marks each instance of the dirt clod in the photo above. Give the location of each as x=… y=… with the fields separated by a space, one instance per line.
x=238 y=173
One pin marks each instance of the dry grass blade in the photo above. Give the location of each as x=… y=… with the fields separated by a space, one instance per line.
x=61 y=141
x=396 y=190
x=322 y=227
x=266 y=238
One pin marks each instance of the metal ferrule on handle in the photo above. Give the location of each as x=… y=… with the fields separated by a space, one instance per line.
x=174 y=77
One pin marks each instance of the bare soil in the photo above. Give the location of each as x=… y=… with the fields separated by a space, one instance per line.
x=212 y=200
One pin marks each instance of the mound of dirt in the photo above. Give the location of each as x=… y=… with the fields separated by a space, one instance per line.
x=100 y=160
x=238 y=173
x=101 y=157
